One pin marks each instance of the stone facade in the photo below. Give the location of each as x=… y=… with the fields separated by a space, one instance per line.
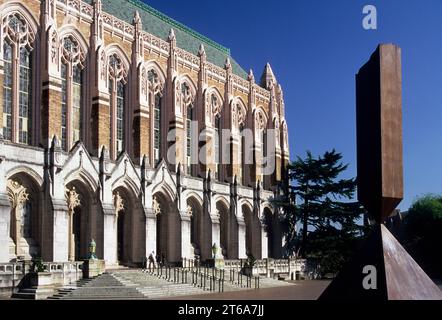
x=95 y=105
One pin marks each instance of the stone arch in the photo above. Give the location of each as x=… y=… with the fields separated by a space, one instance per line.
x=212 y=112
x=115 y=48
x=258 y=114
x=71 y=29
x=169 y=235
x=36 y=177
x=185 y=78
x=85 y=218
x=31 y=44
x=239 y=113
x=272 y=229
x=21 y=8
x=166 y=190
x=246 y=204
x=128 y=183
x=200 y=227
x=253 y=232
x=228 y=229
x=25 y=197
x=84 y=177
x=284 y=135
x=152 y=64
x=129 y=224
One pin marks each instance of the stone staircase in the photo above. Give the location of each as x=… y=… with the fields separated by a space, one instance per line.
x=123 y=284
x=153 y=287
x=103 y=287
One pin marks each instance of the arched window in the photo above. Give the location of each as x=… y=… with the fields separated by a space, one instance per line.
x=156 y=96
x=72 y=83
x=189 y=147
x=17 y=84
x=117 y=93
x=218 y=154
x=261 y=141
x=7 y=91
x=241 y=154
x=185 y=90
x=241 y=118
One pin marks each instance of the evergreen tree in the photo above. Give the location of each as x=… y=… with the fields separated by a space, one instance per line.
x=321 y=203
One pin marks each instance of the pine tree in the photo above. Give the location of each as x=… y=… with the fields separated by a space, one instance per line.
x=321 y=203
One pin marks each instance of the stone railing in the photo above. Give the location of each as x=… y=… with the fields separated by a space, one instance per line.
x=62 y=273
x=294 y=268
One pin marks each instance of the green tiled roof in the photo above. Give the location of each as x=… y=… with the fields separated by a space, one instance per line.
x=159 y=25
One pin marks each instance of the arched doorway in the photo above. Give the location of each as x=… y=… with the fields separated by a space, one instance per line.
x=130 y=226
x=200 y=229
x=85 y=221
x=25 y=232
x=269 y=228
x=253 y=232
x=228 y=231
x=168 y=229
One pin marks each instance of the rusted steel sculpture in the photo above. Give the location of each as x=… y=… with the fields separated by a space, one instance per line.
x=382 y=269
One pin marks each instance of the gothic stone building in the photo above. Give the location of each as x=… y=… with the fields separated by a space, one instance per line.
x=94 y=95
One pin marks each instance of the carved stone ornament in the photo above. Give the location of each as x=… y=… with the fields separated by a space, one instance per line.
x=216 y=105
x=54 y=46
x=190 y=211
x=71 y=51
x=183 y=96
x=186 y=95
x=241 y=115
x=17 y=30
x=17 y=194
x=155 y=84
x=72 y=199
x=118 y=202
x=156 y=206
x=260 y=121
x=116 y=68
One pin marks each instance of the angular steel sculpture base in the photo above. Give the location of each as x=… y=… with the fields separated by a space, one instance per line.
x=396 y=275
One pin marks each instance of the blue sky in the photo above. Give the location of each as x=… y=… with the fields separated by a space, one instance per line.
x=315 y=48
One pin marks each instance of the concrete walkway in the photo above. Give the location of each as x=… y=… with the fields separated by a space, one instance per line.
x=301 y=290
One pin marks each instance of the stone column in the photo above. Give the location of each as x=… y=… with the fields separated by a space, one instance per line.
x=5 y=219
x=61 y=235
x=216 y=230
x=109 y=234
x=186 y=246
x=1 y=97
x=241 y=238
x=17 y=196
x=264 y=243
x=151 y=232
x=73 y=201
x=118 y=207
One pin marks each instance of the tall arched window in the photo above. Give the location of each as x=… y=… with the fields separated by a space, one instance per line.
x=72 y=83
x=241 y=154
x=117 y=93
x=241 y=118
x=156 y=88
x=186 y=92
x=7 y=92
x=17 y=84
x=216 y=111
x=218 y=154
x=261 y=141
